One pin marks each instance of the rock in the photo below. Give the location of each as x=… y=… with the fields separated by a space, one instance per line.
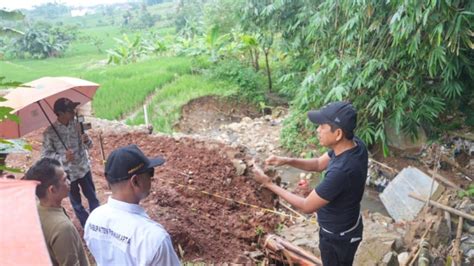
x=396 y=197
x=255 y=254
x=440 y=233
x=390 y=259
x=246 y=120
x=403 y=258
x=398 y=245
x=377 y=240
x=240 y=167
x=402 y=141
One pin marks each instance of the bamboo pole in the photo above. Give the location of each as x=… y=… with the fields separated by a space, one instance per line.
x=457 y=243
x=293 y=254
x=414 y=253
x=384 y=165
x=441 y=206
x=456 y=165
x=444 y=180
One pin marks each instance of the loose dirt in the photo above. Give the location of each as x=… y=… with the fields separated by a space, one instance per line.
x=206 y=228
x=209 y=113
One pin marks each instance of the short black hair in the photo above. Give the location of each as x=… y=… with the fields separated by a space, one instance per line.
x=44 y=171
x=346 y=134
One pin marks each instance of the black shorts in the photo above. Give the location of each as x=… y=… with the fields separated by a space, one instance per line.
x=339 y=250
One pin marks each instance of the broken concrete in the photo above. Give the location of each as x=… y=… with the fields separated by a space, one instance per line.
x=395 y=196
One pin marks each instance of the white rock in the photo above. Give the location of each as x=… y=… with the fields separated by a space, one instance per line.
x=403 y=258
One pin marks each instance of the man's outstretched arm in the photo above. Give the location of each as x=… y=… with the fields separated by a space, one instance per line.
x=313 y=165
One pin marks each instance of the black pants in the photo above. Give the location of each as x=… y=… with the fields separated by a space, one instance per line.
x=339 y=250
x=88 y=189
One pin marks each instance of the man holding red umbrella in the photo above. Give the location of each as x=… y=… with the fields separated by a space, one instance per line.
x=66 y=142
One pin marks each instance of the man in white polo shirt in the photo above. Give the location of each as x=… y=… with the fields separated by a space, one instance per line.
x=120 y=232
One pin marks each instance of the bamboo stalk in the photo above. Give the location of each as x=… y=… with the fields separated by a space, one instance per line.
x=384 y=165
x=441 y=206
x=457 y=243
x=414 y=253
x=444 y=180
x=457 y=166
x=293 y=254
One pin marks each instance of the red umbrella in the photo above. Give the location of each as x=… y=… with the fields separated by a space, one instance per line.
x=33 y=102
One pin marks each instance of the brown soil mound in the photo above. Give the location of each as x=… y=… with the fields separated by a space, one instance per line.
x=210 y=112
x=207 y=228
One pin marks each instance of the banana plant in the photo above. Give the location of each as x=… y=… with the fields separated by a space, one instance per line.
x=10 y=16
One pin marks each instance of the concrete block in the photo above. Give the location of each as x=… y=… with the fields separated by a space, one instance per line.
x=395 y=196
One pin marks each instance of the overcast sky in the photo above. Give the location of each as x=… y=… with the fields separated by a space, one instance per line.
x=17 y=4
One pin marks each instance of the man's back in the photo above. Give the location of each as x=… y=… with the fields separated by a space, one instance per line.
x=122 y=233
x=63 y=240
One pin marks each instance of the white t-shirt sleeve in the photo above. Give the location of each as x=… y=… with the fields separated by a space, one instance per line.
x=165 y=254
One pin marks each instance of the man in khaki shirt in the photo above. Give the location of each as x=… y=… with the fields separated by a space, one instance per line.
x=62 y=239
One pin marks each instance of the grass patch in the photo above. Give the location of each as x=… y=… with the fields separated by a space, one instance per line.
x=164 y=109
x=28 y=70
x=124 y=88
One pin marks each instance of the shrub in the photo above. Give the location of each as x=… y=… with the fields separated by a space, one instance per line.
x=251 y=84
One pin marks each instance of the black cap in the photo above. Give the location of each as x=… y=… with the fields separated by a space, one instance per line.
x=341 y=114
x=64 y=105
x=127 y=161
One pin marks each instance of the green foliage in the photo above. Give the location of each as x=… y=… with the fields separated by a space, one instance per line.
x=11 y=15
x=6 y=31
x=139 y=20
x=259 y=231
x=126 y=51
x=44 y=40
x=153 y=2
x=49 y=10
x=251 y=84
x=188 y=21
x=5 y=114
x=129 y=51
x=469 y=192
x=279 y=228
x=403 y=63
x=224 y=13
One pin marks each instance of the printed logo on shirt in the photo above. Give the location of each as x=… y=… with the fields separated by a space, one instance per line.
x=109 y=232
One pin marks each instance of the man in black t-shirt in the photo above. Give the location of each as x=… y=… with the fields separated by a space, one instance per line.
x=337 y=198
